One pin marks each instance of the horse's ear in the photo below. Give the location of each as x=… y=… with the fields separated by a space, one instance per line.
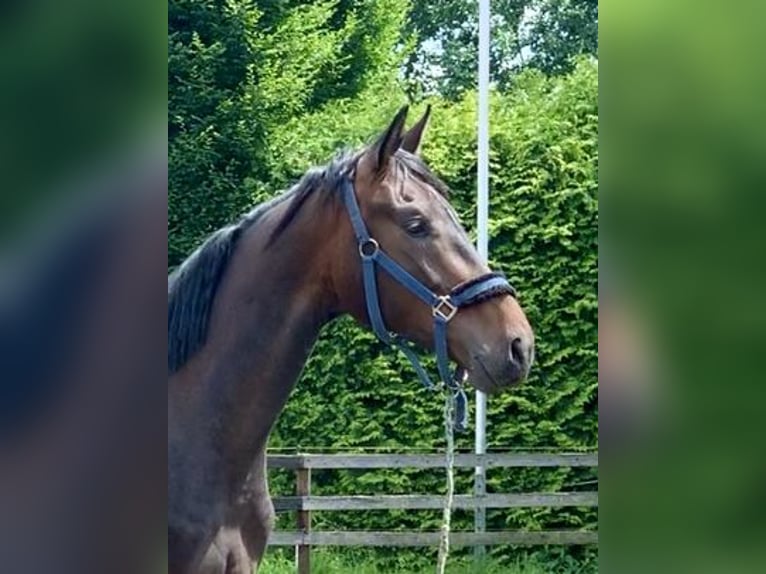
x=411 y=140
x=390 y=141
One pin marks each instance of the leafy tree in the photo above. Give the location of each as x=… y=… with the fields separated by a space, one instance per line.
x=238 y=72
x=447 y=31
x=214 y=132
x=541 y=34
x=560 y=30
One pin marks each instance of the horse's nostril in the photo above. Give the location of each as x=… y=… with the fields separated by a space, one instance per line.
x=518 y=354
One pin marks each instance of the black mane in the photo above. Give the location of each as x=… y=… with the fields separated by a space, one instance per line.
x=193 y=286
x=191 y=289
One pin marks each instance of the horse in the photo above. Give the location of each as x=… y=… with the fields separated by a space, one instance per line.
x=83 y=467
x=371 y=235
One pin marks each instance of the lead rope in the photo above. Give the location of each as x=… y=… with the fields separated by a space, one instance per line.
x=441 y=560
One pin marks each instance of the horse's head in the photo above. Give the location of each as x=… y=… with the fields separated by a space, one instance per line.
x=406 y=211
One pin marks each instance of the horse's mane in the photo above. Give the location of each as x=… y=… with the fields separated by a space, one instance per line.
x=407 y=164
x=327 y=178
x=193 y=286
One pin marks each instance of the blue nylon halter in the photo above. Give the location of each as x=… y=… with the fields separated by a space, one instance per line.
x=443 y=307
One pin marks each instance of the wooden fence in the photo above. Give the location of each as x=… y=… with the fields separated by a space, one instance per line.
x=303 y=538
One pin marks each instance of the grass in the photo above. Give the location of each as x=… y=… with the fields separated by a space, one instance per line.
x=333 y=562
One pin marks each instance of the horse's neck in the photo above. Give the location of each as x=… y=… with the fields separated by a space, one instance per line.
x=267 y=316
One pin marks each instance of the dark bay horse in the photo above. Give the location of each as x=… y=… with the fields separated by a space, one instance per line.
x=246 y=308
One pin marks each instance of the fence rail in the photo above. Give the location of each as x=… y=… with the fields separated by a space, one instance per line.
x=462 y=460
x=402 y=539
x=305 y=503
x=435 y=502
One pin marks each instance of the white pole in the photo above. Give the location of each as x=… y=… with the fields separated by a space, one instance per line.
x=482 y=242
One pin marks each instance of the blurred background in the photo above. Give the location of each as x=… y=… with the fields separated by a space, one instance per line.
x=83 y=219
x=681 y=242
x=82 y=85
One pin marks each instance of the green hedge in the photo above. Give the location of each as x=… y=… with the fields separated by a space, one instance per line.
x=238 y=72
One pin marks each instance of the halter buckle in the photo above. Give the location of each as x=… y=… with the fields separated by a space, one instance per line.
x=368 y=248
x=444 y=308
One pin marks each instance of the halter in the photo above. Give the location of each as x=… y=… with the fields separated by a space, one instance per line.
x=443 y=307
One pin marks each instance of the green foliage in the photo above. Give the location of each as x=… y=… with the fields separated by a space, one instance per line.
x=526 y=34
x=562 y=30
x=329 y=561
x=238 y=73
x=445 y=61
x=213 y=128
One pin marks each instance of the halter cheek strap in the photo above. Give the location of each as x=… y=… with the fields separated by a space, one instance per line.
x=443 y=307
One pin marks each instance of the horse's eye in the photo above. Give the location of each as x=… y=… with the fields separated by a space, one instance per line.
x=417 y=227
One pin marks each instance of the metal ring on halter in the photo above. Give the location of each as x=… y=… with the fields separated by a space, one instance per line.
x=369 y=242
x=444 y=308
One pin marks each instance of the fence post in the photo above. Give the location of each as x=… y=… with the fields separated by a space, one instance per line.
x=480 y=512
x=302 y=551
